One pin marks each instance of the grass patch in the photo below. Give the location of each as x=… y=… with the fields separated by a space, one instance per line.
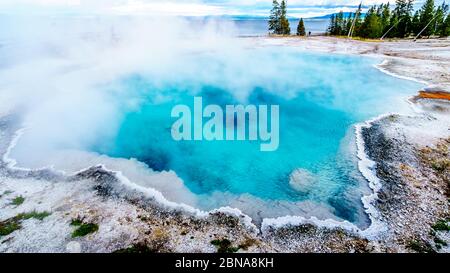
x=440 y=165
x=9 y=226
x=12 y=224
x=82 y=229
x=420 y=246
x=439 y=242
x=441 y=225
x=34 y=214
x=224 y=246
x=357 y=38
x=18 y=201
x=76 y=222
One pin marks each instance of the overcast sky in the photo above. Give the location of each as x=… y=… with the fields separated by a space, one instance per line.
x=297 y=8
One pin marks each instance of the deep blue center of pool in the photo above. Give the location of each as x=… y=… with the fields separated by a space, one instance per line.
x=320 y=96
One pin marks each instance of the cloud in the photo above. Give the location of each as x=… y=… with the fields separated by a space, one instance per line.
x=168 y=8
x=296 y=8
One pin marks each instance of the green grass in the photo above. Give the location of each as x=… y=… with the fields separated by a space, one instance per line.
x=441 y=225
x=421 y=246
x=359 y=38
x=9 y=226
x=34 y=214
x=18 y=201
x=76 y=222
x=441 y=165
x=12 y=224
x=224 y=246
x=82 y=229
x=439 y=242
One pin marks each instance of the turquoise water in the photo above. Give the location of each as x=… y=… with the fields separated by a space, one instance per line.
x=320 y=98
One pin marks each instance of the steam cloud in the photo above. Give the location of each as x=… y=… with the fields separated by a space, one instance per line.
x=62 y=72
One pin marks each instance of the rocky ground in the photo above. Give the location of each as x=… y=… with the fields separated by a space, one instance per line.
x=92 y=211
x=414 y=170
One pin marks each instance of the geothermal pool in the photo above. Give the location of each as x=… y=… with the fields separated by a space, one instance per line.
x=93 y=108
x=321 y=97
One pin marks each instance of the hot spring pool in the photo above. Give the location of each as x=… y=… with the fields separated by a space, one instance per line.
x=321 y=97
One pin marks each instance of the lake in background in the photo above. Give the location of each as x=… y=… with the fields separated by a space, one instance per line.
x=257 y=27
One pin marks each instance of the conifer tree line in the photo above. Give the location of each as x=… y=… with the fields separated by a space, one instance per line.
x=398 y=22
x=278 y=22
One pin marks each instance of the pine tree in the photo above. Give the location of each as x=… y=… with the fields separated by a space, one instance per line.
x=332 y=26
x=385 y=17
x=284 y=23
x=427 y=13
x=364 y=31
x=393 y=25
x=439 y=26
x=371 y=27
x=379 y=10
x=301 y=28
x=348 y=22
x=358 y=21
x=339 y=23
x=446 y=27
x=402 y=17
x=415 y=23
x=274 y=19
